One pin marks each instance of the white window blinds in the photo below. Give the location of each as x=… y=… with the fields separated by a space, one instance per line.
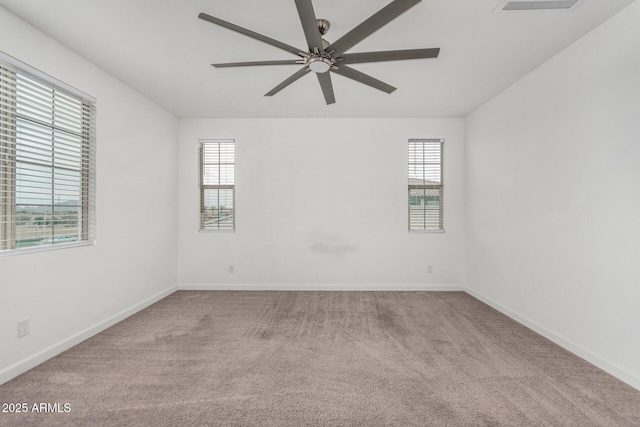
x=217 y=185
x=47 y=163
x=426 y=184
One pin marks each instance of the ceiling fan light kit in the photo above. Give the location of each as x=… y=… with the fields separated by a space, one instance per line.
x=323 y=57
x=319 y=64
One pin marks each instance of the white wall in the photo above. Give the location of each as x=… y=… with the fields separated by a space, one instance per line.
x=321 y=204
x=69 y=294
x=553 y=198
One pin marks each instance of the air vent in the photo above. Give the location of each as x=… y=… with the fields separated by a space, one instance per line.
x=514 y=5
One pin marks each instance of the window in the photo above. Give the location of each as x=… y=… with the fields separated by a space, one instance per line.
x=217 y=185
x=426 y=184
x=47 y=160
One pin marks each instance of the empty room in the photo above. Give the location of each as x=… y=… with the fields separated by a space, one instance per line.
x=319 y=212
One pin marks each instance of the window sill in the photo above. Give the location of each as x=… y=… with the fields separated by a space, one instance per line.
x=426 y=231
x=44 y=248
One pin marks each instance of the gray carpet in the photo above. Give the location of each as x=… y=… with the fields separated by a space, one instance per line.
x=320 y=359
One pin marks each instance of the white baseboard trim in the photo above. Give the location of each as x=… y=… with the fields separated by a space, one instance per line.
x=608 y=367
x=32 y=361
x=317 y=287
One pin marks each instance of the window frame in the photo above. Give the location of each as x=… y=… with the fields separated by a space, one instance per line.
x=203 y=187
x=19 y=80
x=439 y=187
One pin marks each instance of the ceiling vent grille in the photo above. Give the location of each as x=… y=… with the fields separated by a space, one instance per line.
x=511 y=5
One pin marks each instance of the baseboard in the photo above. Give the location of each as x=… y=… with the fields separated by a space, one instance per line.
x=610 y=368
x=317 y=287
x=32 y=361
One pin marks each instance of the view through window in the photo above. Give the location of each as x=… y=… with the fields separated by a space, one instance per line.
x=426 y=184
x=47 y=163
x=217 y=185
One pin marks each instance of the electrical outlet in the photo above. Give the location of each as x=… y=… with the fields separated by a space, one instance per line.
x=232 y=269
x=429 y=269
x=23 y=327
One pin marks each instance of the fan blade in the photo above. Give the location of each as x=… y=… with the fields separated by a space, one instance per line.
x=389 y=55
x=304 y=70
x=369 y=26
x=253 y=63
x=358 y=76
x=309 y=25
x=250 y=33
x=327 y=87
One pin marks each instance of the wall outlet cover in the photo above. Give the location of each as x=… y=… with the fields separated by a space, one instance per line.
x=23 y=327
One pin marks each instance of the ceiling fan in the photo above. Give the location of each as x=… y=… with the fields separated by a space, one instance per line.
x=322 y=56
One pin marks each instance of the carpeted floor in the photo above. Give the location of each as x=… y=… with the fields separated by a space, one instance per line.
x=320 y=359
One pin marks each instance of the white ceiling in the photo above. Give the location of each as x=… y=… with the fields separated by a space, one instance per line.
x=161 y=49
